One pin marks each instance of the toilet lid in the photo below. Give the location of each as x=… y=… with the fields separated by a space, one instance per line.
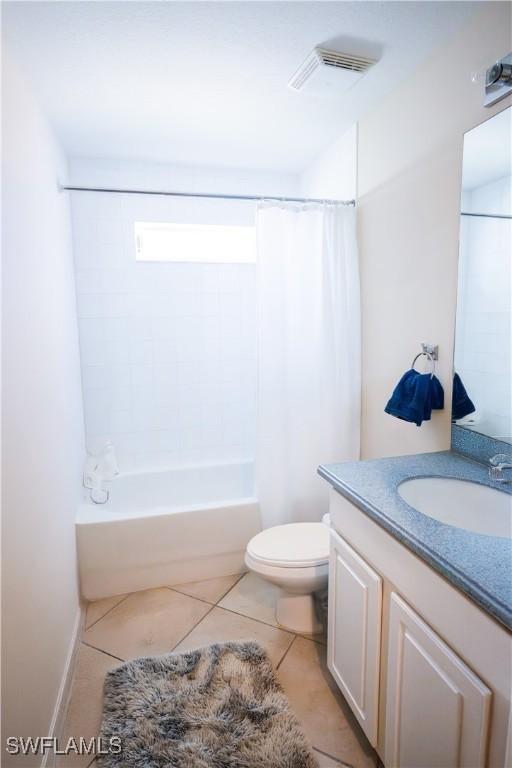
x=296 y=545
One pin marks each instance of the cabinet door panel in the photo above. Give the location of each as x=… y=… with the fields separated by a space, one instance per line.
x=355 y=606
x=437 y=709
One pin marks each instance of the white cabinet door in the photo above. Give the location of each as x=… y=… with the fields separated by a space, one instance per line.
x=353 y=647
x=437 y=709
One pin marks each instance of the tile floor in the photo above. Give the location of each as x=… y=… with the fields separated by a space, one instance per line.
x=184 y=616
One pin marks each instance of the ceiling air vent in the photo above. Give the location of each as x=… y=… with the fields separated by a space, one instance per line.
x=328 y=73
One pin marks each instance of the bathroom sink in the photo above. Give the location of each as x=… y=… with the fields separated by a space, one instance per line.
x=460 y=503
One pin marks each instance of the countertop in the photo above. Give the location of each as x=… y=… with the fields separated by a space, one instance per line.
x=478 y=565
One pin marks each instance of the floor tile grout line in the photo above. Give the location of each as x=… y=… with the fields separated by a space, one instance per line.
x=274 y=626
x=231 y=587
x=171 y=650
x=332 y=757
x=100 y=650
x=184 y=594
x=226 y=593
x=175 y=588
x=192 y=628
x=311 y=637
x=211 y=607
x=260 y=621
x=285 y=654
x=86 y=629
x=214 y=605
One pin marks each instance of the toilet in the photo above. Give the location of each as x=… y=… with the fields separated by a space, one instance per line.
x=295 y=557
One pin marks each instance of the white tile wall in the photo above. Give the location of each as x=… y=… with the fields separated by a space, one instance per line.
x=483 y=337
x=168 y=351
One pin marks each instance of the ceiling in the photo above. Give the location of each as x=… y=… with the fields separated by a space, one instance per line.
x=205 y=82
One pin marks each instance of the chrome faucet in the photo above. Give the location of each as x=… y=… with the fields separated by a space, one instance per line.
x=100 y=467
x=500 y=462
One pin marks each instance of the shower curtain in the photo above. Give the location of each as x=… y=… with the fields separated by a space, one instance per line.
x=308 y=354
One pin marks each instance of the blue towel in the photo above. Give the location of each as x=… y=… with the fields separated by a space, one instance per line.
x=437 y=394
x=461 y=403
x=415 y=396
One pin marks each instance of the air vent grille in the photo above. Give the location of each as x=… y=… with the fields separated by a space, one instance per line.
x=344 y=60
x=324 y=59
x=304 y=73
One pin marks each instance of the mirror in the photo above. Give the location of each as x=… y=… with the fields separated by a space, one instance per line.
x=482 y=377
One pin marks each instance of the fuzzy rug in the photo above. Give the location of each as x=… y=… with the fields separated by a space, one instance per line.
x=217 y=707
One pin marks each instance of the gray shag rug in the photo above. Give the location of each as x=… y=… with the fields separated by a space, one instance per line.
x=217 y=707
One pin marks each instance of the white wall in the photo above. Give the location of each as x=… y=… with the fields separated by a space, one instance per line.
x=129 y=174
x=409 y=181
x=333 y=174
x=483 y=333
x=42 y=419
x=168 y=351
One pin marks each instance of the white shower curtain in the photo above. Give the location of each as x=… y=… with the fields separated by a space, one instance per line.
x=309 y=354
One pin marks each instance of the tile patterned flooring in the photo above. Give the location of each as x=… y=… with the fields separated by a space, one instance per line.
x=185 y=616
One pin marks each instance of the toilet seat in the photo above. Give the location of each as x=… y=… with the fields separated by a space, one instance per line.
x=296 y=545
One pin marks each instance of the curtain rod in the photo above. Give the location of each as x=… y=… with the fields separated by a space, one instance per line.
x=487 y=215
x=206 y=195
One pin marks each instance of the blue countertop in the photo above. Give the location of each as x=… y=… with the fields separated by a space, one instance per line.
x=478 y=565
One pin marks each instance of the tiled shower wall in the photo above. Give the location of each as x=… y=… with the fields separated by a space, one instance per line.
x=483 y=333
x=168 y=351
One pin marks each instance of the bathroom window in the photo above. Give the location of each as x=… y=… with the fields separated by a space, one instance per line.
x=195 y=243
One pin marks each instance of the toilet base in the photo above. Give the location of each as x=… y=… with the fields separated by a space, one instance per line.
x=298 y=614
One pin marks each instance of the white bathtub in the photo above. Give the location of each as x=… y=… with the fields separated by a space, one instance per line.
x=166 y=527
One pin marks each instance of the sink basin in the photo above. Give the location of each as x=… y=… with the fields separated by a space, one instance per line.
x=460 y=503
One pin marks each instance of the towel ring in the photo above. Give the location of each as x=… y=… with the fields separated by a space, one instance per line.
x=430 y=357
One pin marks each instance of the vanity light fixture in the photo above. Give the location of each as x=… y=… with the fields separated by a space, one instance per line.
x=498 y=80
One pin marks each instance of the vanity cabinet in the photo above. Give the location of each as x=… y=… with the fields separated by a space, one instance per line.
x=437 y=709
x=425 y=671
x=353 y=658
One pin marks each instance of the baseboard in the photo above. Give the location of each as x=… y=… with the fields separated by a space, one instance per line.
x=63 y=696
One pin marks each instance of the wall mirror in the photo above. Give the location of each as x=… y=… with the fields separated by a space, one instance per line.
x=482 y=376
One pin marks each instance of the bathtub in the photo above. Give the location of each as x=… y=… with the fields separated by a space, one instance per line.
x=166 y=527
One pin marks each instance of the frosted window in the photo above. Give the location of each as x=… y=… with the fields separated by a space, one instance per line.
x=195 y=243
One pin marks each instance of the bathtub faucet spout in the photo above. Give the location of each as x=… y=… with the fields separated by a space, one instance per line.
x=100 y=468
